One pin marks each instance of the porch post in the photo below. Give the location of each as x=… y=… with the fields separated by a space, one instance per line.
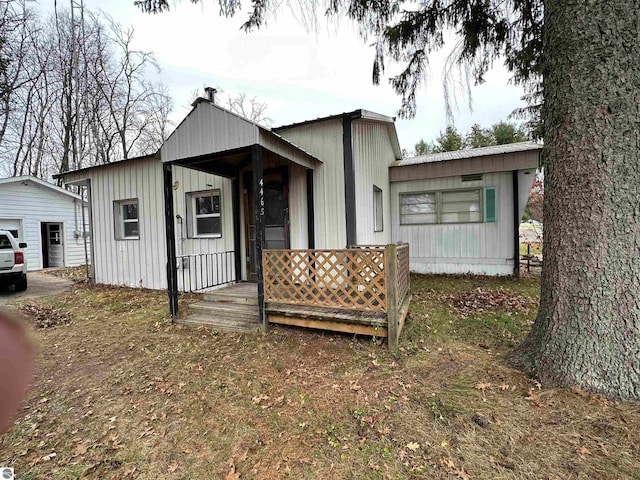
x=258 y=182
x=172 y=272
x=516 y=224
x=92 y=250
x=349 y=181
x=311 y=228
x=235 y=193
x=391 y=272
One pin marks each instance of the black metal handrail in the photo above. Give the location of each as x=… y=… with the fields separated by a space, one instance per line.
x=200 y=271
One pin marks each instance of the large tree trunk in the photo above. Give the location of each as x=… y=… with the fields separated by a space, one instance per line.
x=587 y=332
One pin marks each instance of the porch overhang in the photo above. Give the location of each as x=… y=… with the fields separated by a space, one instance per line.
x=218 y=141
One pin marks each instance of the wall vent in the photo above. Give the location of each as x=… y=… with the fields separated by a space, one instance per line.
x=476 y=177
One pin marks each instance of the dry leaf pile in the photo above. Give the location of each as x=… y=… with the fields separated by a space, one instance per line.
x=45 y=317
x=75 y=274
x=481 y=300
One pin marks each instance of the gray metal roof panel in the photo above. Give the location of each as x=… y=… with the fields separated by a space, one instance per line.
x=468 y=153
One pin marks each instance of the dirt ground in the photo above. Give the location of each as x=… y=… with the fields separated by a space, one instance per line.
x=122 y=393
x=40 y=284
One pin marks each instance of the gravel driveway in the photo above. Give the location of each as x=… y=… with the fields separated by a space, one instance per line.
x=40 y=285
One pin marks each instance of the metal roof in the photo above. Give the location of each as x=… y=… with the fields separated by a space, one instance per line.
x=360 y=114
x=468 y=153
x=39 y=182
x=356 y=114
x=150 y=156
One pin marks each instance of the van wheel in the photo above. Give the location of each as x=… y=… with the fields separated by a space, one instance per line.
x=21 y=285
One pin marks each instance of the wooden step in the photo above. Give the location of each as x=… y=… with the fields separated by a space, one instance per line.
x=229 y=317
x=224 y=325
x=229 y=297
x=240 y=293
x=221 y=310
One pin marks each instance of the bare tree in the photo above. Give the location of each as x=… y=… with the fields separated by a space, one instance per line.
x=249 y=107
x=74 y=92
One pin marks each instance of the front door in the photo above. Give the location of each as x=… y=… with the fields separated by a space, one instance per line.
x=276 y=214
x=54 y=244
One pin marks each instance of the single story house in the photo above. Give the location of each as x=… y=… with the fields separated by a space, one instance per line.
x=48 y=218
x=309 y=212
x=322 y=181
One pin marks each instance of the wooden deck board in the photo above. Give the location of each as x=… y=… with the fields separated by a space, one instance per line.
x=355 y=317
x=329 y=325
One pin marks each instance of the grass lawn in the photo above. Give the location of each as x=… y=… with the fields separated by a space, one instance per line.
x=122 y=393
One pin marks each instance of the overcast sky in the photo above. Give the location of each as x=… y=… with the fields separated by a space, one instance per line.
x=301 y=75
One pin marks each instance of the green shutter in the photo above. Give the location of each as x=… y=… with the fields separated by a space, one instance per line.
x=490 y=204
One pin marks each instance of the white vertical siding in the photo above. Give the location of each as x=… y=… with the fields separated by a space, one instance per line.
x=372 y=155
x=203 y=271
x=32 y=204
x=483 y=248
x=194 y=181
x=134 y=263
x=323 y=140
x=142 y=262
x=298 y=225
x=208 y=129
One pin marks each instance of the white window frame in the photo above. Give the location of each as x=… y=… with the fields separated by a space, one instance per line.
x=120 y=221
x=194 y=216
x=378 y=209
x=439 y=203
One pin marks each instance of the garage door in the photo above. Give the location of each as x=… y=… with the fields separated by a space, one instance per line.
x=13 y=226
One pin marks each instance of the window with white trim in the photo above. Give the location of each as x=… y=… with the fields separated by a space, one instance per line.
x=377 y=209
x=204 y=214
x=449 y=206
x=126 y=218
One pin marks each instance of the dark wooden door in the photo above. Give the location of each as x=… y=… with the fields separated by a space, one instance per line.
x=276 y=214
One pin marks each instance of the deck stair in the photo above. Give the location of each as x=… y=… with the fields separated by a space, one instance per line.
x=230 y=309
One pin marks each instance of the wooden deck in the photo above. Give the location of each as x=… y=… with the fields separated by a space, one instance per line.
x=361 y=290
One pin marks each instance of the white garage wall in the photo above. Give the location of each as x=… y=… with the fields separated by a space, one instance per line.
x=30 y=204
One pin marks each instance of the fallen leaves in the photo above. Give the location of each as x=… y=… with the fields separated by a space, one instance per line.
x=45 y=317
x=482 y=386
x=450 y=466
x=534 y=398
x=81 y=449
x=169 y=403
x=413 y=446
x=481 y=300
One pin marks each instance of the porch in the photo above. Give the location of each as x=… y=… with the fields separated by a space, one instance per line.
x=259 y=226
x=360 y=290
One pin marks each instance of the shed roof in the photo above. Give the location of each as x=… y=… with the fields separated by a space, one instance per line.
x=468 y=153
x=112 y=164
x=38 y=182
x=499 y=158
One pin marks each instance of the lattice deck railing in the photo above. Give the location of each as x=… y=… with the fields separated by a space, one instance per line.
x=372 y=279
x=352 y=279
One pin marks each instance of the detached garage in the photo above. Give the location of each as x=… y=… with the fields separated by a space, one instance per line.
x=48 y=218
